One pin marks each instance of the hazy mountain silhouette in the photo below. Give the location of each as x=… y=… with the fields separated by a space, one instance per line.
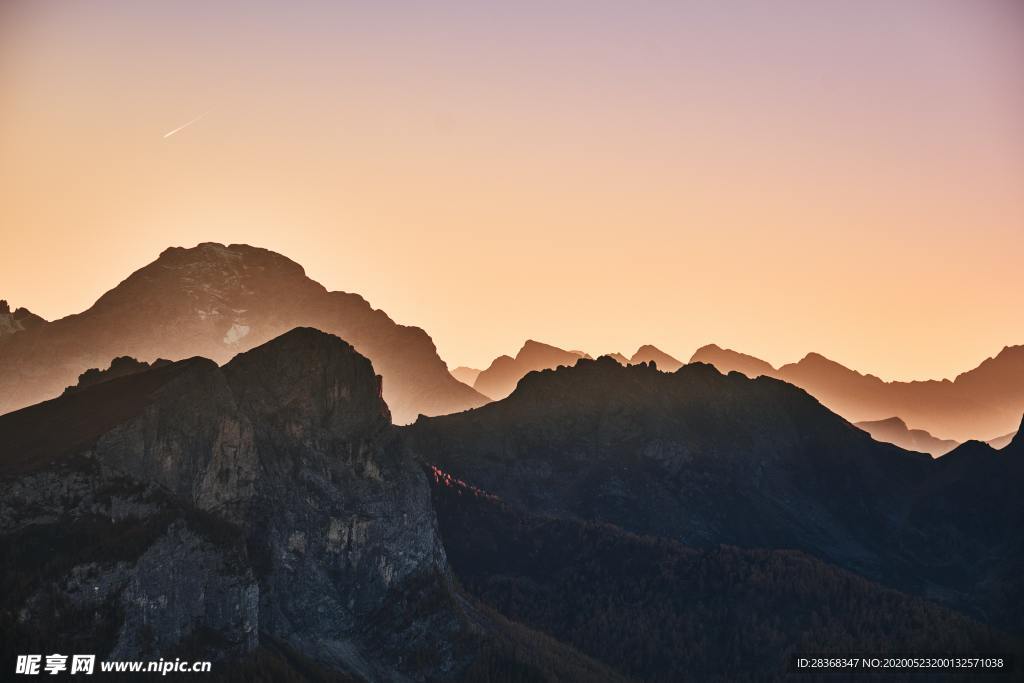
x=978 y=404
x=216 y=301
x=500 y=379
x=466 y=375
x=19 y=320
x=895 y=431
x=705 y=459
x=271 y=499
x=1002 y=441
x=648 y=353
x=504 y=372
x=727 y=360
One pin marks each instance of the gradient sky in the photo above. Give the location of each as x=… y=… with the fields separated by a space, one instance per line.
x=777 y=177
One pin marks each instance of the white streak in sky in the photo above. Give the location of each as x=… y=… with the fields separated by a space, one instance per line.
x=185 y=125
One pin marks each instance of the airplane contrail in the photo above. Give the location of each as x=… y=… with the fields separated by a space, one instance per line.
x=185 y=125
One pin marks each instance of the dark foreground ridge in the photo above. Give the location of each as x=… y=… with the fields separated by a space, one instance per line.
x=703 y=459
x=262 y=512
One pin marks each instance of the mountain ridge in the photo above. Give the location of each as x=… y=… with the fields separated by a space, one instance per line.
x=982 y=403
x=215 y=301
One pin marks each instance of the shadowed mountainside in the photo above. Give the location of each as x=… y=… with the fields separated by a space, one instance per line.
x=978 y=404
x=241 y=512
x=704 y=459
x=216 y=301
x=660 y=611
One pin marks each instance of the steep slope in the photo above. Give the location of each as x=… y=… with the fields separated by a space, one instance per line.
x=978 y=404
x=504 y=372
x=618 y=358
x=660 y=611
x=225 y=511
x=216 y=301
x=649 y=354
x=895 y=431
x=703 y=459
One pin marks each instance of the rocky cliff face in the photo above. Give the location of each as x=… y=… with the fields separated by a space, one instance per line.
x=191 y=508
x=274 y=502
x=216 y=301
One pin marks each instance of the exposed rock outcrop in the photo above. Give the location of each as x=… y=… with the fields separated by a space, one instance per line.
x=197 y=508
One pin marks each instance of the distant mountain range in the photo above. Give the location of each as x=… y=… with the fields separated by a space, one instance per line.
x=216 y=301
x=982 y=403
x=466 y=375
x=602 y=523
x=895 y=431
x=500 y=378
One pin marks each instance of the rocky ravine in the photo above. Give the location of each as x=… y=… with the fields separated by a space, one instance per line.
x=191 y=508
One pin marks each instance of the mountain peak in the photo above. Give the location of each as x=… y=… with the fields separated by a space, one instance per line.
x=727 y=360
x=215 y=301
x=504 y=372
x=649 y=353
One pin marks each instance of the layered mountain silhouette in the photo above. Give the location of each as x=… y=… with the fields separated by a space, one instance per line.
x=19 y=320
x=978 y=404
x=216 y=301
x=704 y=459
x=601 y=523
x=1002 y=441
x=263 y=512
x=500 y=379
x=652 y=354
x=504 y=372
x=895 y=431
x=466 y=375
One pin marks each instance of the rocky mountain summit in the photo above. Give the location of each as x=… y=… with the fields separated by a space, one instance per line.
x=216 y=301
x=265 y=506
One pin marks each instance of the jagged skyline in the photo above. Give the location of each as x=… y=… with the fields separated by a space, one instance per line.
x=773 y=178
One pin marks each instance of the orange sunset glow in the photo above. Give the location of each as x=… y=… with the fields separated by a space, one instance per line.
x=777 y=178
